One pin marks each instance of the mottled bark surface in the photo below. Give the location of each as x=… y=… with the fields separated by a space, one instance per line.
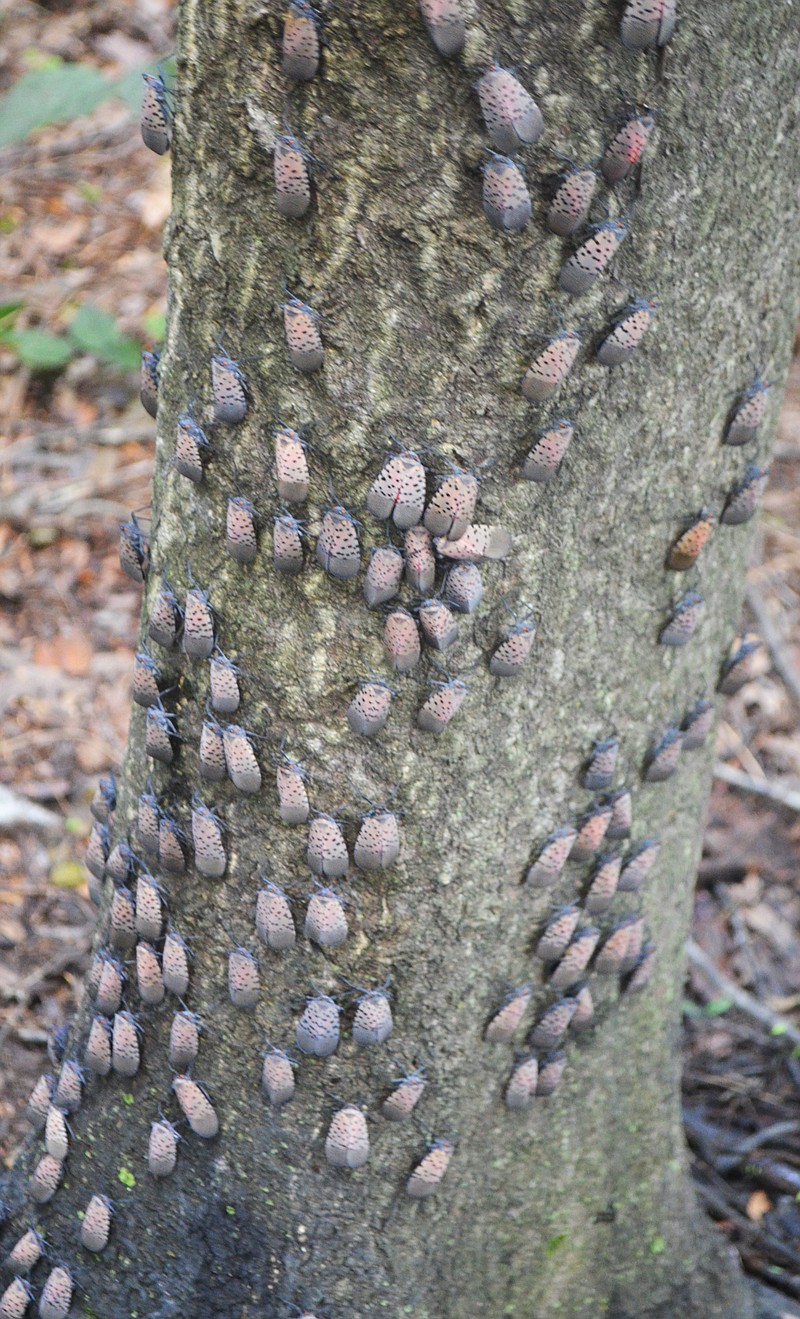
x=580 y=1207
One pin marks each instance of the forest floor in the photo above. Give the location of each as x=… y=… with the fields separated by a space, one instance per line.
x=86 y=224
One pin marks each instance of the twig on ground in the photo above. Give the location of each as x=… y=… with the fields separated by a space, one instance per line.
x=788 y=797
x=738 y=996
x=783 y=664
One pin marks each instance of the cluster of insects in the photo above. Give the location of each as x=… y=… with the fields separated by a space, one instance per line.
x=421 y=580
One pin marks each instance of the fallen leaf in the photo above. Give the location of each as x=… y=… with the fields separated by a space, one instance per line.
x=758 y=1205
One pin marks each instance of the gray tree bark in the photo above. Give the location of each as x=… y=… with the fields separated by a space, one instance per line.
x=429 y=318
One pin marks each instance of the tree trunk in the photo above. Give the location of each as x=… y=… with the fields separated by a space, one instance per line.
x=581 y=1206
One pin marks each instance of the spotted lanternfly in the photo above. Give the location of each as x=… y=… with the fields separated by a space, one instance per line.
x=223 y=683
x=505 y=1021
x=444 y=20
x=210 y=857
x=97 y=850
x=748 y=413
x=292 y=182
x=742 y=501
x=96 y=1225
x=175 y=963
x=274 y=923
x=110 y=986
x=122 y=919
x=326 y=923
x=621 y=803
x=443 y=703
x=149 y=979
x=190 y=444
x=45 y=1179
x=553 y=1023
x=377 y=845
x=551 y=1070
x=198 y=624
x=521 y=1085
x=162 y=625
x=97 y=1054
x=196 y=1107
x=39 y=1101
x=15 y=1299
x=407 y=1093
x=636 y=932
x=576 y=959
x=638 y=864
x=170 y=845
x=599 y=770
x=569 y=208
x=437 y=623
x=369 y=708
x=212 y=752
x=398 y=491
x=148 y=382
x=480 y=541
x=162 y=1148
x=662 y=759
x=647 y=23
x=603 y=883
x=420 y=560
x=56 y=1298
x=291 y=465
x=347 y=1141
x=452 y=508
x=244 y=987
x=543 y=460
x=514 y=649
x=145 y=679
x=552 y=858
x=93 y=976
x=293 y=804
x=591 y=832
x=686 y=616
x=317 y=1030
x=463 y=587
x=228 y=389
x=240 y=759
x=56 y=1135
x=426 y=1177
x=621 y=343
x=277 y=1077
x=104 y=800
x=688 y=546
x=551 y=366
x=580 y=271
x=639 y=977
x=300 y=46
x=134 y=551
x=512 y=117
x=740 y=668
x=506 y=199
x=160 y=730
x=326 y=852
x=626 y=148
x=583 y=1016
x=383 y=576
x=57 y=1042
x=149 y=911
x=241 y=539
x=372 y=1023
x=156 y=119
x=401 y=640
x=696 y=724
x=184 y=1039
x=121 y=863
x=126 y=1055
x=558 y=932
x=338 y=550
x=287 y=545
x=303 y=339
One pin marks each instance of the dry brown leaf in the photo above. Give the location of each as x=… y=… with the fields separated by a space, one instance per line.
x=758 y=1205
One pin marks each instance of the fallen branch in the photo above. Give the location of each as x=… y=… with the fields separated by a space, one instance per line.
x=788 y=797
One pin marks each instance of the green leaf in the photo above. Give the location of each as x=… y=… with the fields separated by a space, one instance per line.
x=126 y=1177
x=96 y=332
x=717 y=1006
x=49 y=95
x=780 y=1028
x=127 y=1098
x=39 y=350
x=657 y=1246
x=155 y=326
x=555 y=1244
x=8 y=314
